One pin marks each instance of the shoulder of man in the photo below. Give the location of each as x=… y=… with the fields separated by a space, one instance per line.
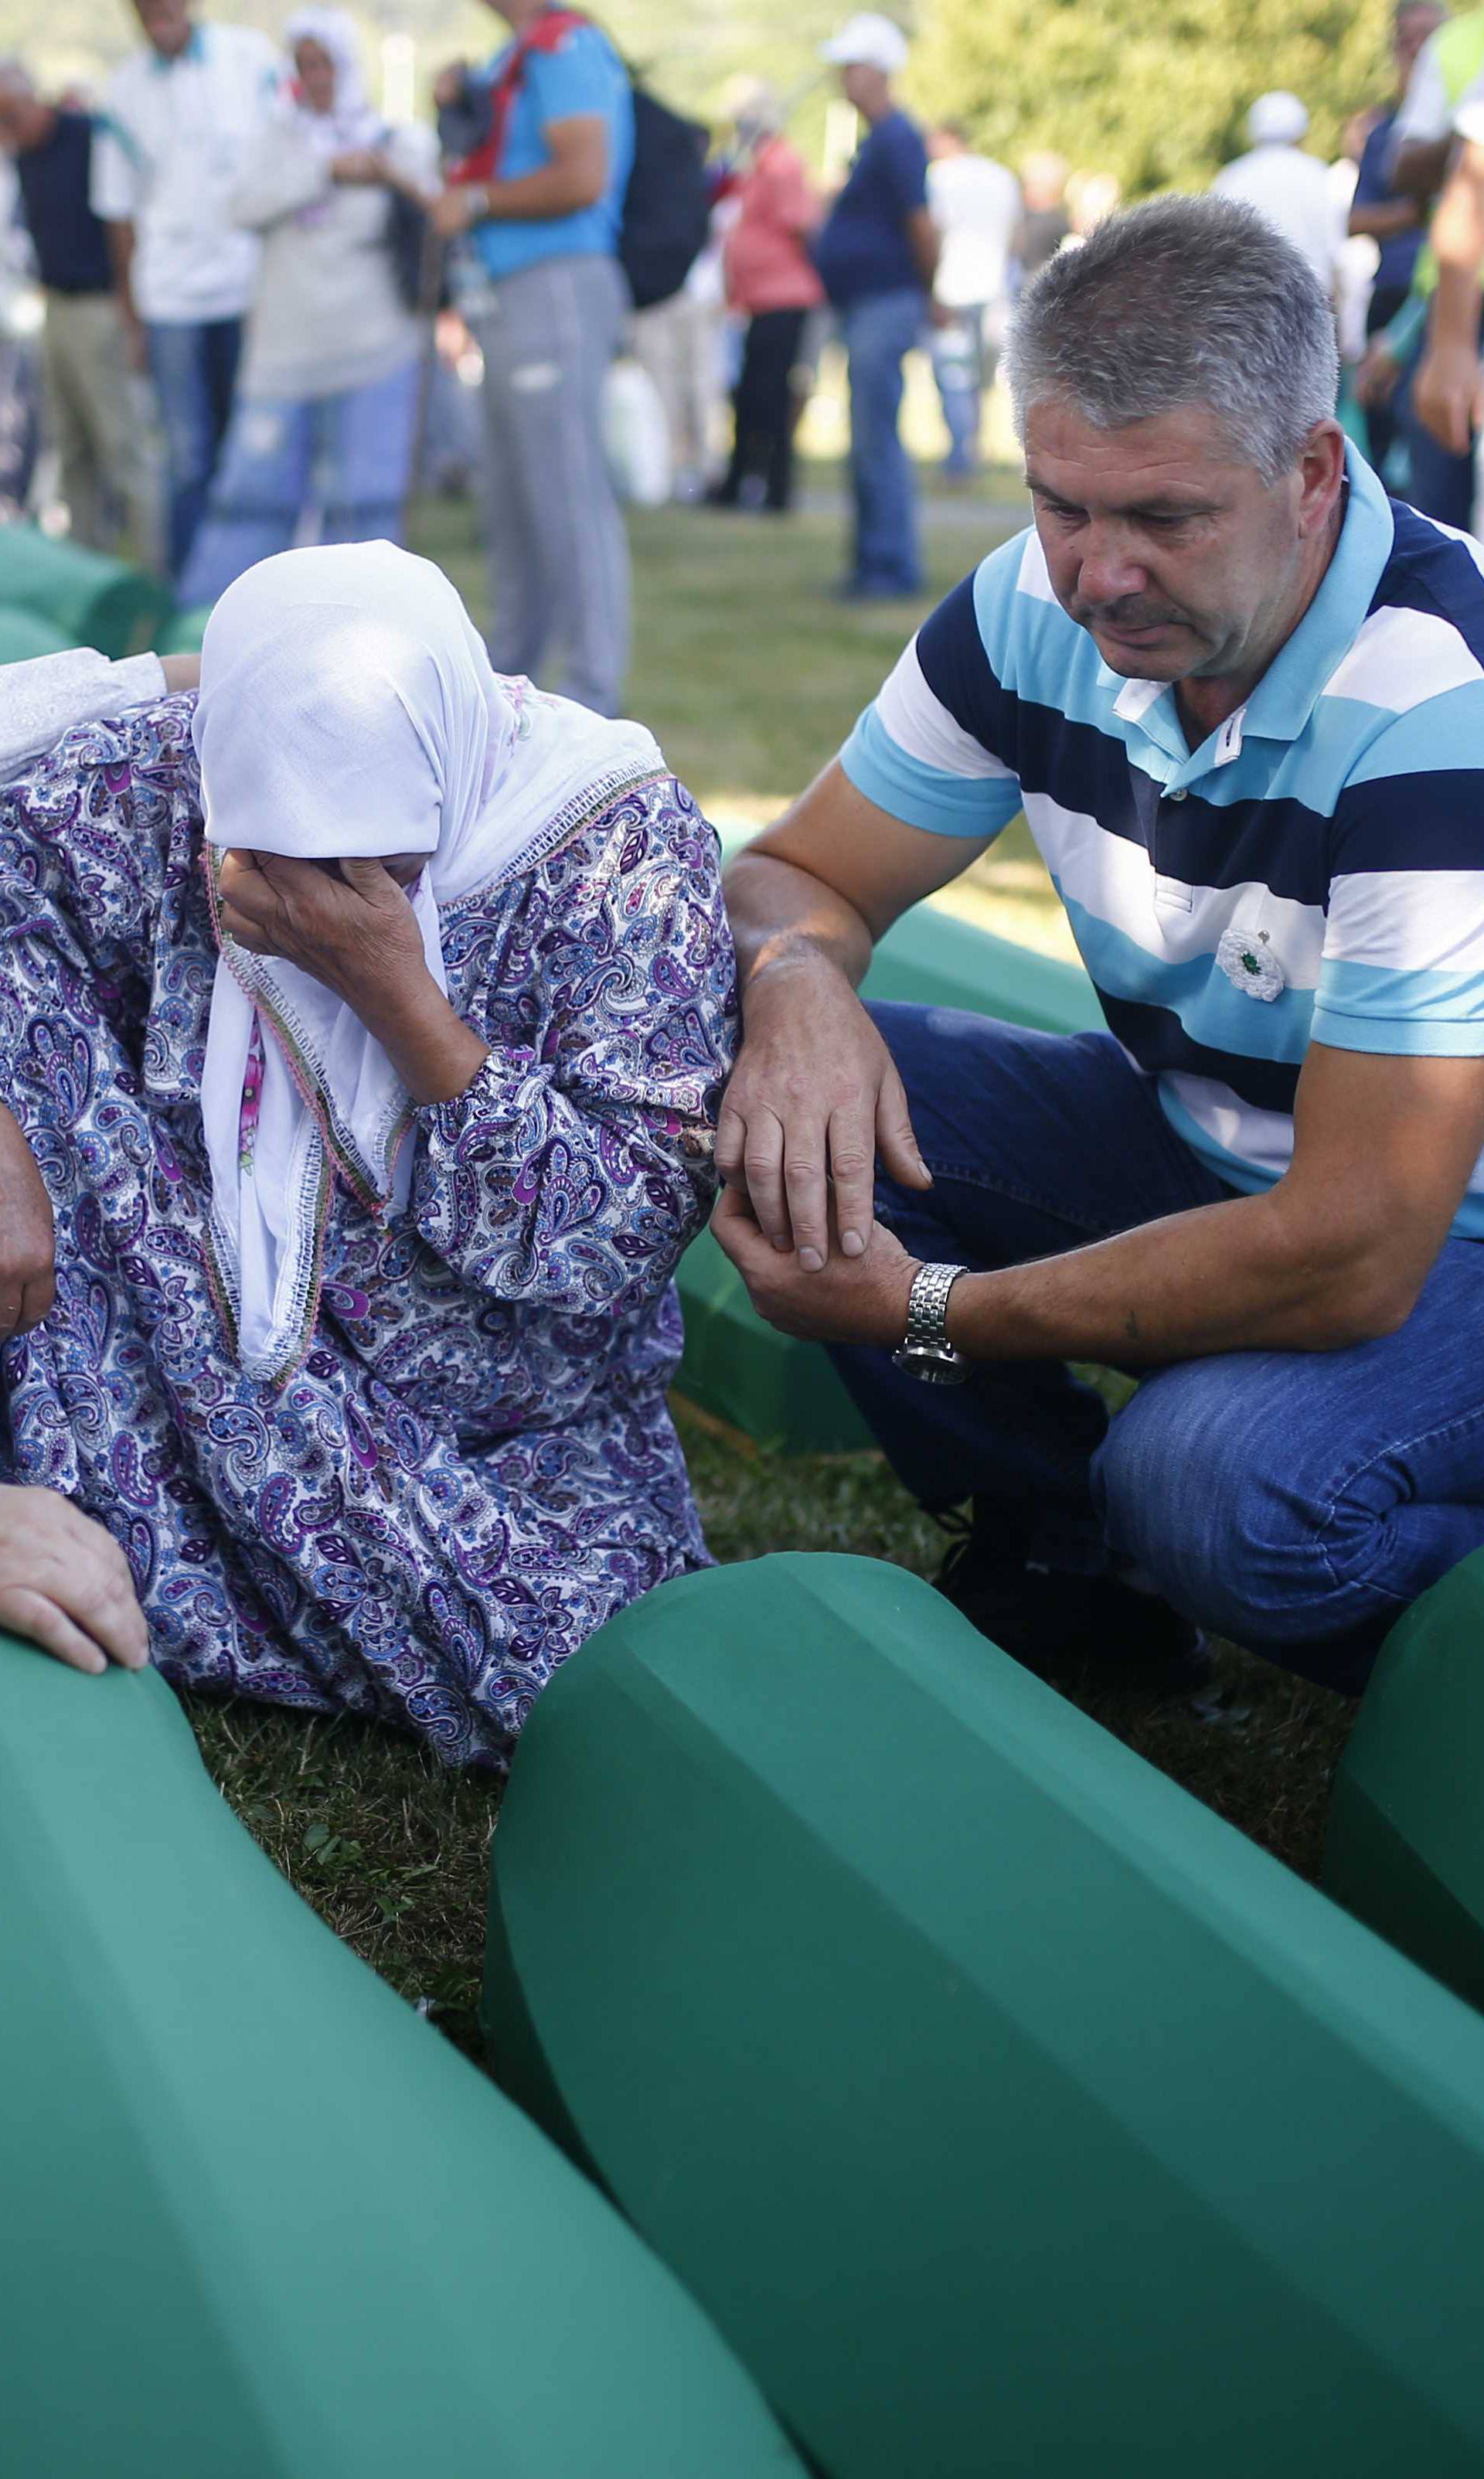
x=1418 y=664
x=1001 y=627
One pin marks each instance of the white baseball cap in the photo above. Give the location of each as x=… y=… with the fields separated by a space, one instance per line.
x=867 y=43
x=1277 y=120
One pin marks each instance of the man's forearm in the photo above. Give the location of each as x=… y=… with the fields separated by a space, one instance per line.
x=1458 y=243
x=1385 y=220
x=1230 y=1277
x=1422 y=168
x=120 y=250
x=781 y=916
x=554 y=189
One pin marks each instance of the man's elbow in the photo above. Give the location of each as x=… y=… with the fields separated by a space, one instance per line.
x=1364 y=1303
x=1418 y=169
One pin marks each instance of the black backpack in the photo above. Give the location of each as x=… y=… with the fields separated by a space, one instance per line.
x=667 y=208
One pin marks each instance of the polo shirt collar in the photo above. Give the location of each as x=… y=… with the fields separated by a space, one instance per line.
x=195 y=50
x=1289 y=689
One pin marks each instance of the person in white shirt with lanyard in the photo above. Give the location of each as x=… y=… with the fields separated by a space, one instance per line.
x=178 y=117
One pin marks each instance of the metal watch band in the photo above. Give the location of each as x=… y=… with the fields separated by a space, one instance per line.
x=927 y=1308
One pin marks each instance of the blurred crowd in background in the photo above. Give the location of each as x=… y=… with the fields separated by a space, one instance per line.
x=241 y=307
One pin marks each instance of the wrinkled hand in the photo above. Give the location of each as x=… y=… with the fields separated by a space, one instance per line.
x=1448 y=396
x=851 y=1299
x=28 y=1265
x=453 y=211
x=65 y=1583
x=355 y=931
x=814 y=1097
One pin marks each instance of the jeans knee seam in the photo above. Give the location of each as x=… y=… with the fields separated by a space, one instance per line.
x=1396 y=1446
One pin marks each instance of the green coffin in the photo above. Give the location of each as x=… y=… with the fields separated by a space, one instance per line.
x=258 y=2220
x=1406 y=1836
x=1007 y=2110
x=23 y=636
x=90 y=599
x=774 y=1387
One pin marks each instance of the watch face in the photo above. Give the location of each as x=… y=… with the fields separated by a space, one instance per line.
x=925 y=1360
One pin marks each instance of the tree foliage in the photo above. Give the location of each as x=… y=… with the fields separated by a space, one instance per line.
x=1155 y=95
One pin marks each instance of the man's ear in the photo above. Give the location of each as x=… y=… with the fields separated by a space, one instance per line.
x=1322 y=475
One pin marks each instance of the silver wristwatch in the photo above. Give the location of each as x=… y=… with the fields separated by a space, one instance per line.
x=927 y=1352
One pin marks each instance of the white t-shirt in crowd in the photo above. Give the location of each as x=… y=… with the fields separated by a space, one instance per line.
x=974 y=203
x=169 y=149
x=1425 y=114
x=1293 y=190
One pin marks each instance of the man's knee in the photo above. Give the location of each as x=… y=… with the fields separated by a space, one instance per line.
x=1196 y=1488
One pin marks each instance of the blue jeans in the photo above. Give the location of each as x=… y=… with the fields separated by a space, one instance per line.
x=1295 y=1501
x=195 y=371
x=879 y=333
x=346 y=455
x=962 y=366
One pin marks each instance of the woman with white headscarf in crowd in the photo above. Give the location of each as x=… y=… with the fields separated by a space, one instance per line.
x=327 y=397
x=363 y=1029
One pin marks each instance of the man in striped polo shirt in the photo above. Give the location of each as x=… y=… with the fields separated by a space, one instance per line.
x=1239 y=696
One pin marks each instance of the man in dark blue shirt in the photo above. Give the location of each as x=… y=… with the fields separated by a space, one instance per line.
x=93 y=403
x=1385 y=215
x=876 y=255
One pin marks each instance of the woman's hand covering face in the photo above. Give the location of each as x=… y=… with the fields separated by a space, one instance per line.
x=353 y=930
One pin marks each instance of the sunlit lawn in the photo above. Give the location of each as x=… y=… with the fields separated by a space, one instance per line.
x=751 y=676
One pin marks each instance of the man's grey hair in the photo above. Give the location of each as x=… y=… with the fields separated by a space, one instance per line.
x=14 y=76
x=1185 y=301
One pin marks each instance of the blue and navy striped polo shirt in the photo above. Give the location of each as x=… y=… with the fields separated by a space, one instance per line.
x=1314 y=871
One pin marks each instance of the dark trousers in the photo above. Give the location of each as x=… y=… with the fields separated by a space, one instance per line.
x=763 y=407
x=1381 y=419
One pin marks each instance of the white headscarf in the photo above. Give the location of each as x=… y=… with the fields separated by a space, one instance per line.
x=352 y=119
x=348 y=709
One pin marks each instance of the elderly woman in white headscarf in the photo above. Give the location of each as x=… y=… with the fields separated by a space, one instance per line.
x=327 y=397
x=364 y=1026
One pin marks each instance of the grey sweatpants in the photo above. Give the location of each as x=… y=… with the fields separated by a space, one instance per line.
x=558 y=554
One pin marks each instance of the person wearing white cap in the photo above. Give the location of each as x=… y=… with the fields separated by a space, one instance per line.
x=877 y=256
x=1288 y=185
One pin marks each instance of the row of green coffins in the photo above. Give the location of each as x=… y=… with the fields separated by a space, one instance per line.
x=55 y=594
x=1007 y=2110
x=999 y=2107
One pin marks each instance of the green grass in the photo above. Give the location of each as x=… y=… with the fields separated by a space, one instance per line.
x=751 y=677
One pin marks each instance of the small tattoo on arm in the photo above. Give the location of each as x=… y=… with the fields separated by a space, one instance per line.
x=1131 y=1325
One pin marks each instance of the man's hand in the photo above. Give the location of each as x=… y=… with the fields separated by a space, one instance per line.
x=1447 y=394
x=1376 y=375
x=65 y=1583
x=814 y=1098
x=28 y=1270
x=859 y=1299
x=351 y=926
x=454 y=211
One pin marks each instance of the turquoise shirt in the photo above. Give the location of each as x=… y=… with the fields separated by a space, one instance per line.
x=582 y=75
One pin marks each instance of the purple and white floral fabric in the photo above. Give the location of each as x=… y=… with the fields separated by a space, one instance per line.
x=474 y=1467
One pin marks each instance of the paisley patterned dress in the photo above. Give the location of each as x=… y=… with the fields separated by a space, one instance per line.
x=474 y=1467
